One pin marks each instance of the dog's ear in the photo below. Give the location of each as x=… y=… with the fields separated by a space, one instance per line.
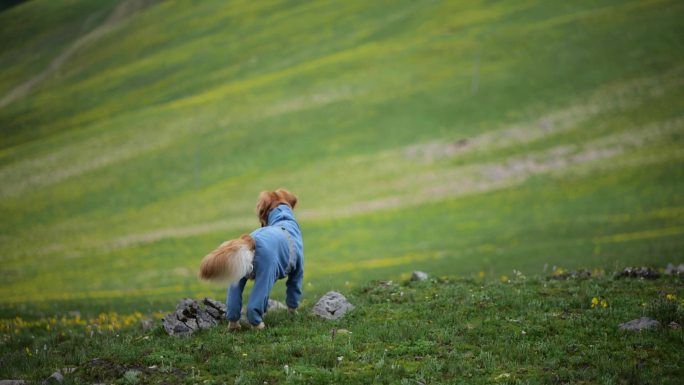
x=264 y=206
x=287 y=196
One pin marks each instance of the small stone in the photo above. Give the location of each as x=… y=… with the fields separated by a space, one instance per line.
x=639 y=324
x=674 y=325
x=332 y=306
x=419 y=276
x=674 y=270
x=146 y=324
x=55 y=378
x=274 y=305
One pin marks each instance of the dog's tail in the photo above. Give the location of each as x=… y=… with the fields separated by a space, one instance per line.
x=229 y=262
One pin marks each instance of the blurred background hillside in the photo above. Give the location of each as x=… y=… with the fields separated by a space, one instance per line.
x=453 y=137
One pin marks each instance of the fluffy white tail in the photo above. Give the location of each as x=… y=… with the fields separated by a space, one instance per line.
x=229 y=262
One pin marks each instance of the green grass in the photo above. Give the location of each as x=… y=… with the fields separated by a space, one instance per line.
x=445 y=330
x=450 y=137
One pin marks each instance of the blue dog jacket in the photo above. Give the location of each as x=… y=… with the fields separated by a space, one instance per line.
x=279 y=253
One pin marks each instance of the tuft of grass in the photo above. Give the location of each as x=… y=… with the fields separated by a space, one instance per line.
x=666 y=308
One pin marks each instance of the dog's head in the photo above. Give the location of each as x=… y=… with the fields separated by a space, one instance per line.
x=268 y=200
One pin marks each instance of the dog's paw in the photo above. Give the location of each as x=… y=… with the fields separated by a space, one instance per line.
x=260 y=326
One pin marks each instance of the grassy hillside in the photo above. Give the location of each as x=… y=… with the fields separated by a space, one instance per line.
x=444 y=136
x=459 y=138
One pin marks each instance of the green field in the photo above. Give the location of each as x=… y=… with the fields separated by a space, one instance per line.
x=458 y=138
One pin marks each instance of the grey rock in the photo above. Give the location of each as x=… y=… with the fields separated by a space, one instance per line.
x=215 y=314
x=274 y=305
x=12 y=382
x=674 y=270
x=146 y=324
x=192 y=324
x=332 y=306
x=220 y=306
x=55 y=378
x=180 y=329
x=205 y=320
x=419 y=276
x=640 y=324
x=639 y=272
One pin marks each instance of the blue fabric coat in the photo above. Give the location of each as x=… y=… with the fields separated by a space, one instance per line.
x=279 y=253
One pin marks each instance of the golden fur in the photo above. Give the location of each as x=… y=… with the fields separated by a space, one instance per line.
x=269 y=200
x=230 y=261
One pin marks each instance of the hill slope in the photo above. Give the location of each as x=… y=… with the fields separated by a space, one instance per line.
x=453 y=137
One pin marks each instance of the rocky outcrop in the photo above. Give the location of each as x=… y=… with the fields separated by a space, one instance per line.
x=191 y=316
x=639 y=272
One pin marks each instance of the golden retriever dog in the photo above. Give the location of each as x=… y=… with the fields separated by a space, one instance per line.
x=272 y=252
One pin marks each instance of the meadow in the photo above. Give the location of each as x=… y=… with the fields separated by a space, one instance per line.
x=465 y=139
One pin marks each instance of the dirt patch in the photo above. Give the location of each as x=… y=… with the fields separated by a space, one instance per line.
x=607 y=100
x=483 y=177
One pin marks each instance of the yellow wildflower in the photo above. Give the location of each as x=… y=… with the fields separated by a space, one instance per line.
x=604 y=303
x=504 y=278
x=594 y=302
x=671 y=297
